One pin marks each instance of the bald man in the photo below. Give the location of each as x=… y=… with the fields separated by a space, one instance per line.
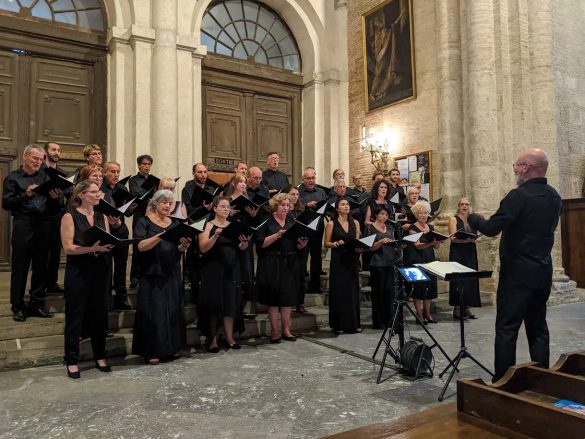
x=527 y=218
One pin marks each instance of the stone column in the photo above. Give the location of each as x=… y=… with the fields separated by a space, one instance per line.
x=197 y=58
x=142 y=40
x=482 y=140
x=313 y=131
x=164 y=119
x=119 y=107
x=450 y=104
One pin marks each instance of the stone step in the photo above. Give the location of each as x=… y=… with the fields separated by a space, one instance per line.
x=48 y=349
x=39 y=327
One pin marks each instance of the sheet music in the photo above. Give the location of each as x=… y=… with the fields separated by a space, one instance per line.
x=441 y=269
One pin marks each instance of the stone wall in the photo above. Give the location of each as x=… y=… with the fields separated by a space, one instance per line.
x=569 y=79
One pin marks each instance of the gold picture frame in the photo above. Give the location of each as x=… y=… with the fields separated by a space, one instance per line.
x=388 y=54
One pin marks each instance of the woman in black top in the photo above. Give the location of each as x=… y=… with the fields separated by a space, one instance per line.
x=379 y=197
x=383 y=255
x=344 y=295
x=412 y=196
x=422 y=292
x=220 y=298
x=86 y=277
x=463 y=251
x=159 y=327
x=296 y=210
x=278 y=267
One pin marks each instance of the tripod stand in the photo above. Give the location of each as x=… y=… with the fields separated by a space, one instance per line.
x=398 y=328
x=463 y=352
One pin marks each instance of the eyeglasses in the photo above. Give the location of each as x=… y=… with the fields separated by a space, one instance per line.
x=96 y=192
x=515 y=165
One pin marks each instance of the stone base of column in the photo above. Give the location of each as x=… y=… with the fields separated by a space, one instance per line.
x=564 y=290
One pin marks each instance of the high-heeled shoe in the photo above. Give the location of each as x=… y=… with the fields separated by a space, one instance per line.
x=469 y=314
x=275 y=340
x=213 y=350
x=107 y=368
x=234 y=346
x=289 y=337
x=73 y=375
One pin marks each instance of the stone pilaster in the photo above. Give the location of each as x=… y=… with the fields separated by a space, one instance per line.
x=449 y=104
x=164 y=137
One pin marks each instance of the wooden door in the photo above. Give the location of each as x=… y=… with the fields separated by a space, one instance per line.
x=46 y=99
x=245 y=118
x=572 y=220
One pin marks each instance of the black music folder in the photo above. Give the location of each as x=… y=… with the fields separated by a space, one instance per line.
x=300 y=230
x=59 y=182
x=109 y=210
x=236 y=228
x=95 y=234
x=241 y=202
x=433 y=236
x=181 y=230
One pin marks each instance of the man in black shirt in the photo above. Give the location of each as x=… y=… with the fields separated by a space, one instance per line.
x=527 y=218
x=256 y=185
x=30 y=232
x=358 y=188
x=395 y=182
x=135 y=183
x=272 y=178
x=199 y=179
x=310 y=194
x=57 y=209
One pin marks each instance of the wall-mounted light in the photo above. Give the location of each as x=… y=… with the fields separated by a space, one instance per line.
x=379 y=145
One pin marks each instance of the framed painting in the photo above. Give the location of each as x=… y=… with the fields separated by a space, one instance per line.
x=388 y=53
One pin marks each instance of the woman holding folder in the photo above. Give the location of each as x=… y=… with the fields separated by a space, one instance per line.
x=86 y=277
x=220 y=297
x=422 y=251
x=159 y=327
x=278 y=267
x=344 y=294
x=463 y=251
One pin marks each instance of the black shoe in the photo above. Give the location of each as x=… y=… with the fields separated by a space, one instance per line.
x=301 y=309
x=19 y=316
x=107 y=368
x=250 y=316
x=109 y=334
x=427 y=321
x=122 y=306
x=213 y=350
x=35 y=311
x=73 y=375
x=275 y=340
x=289 y=338
x=55 y=290
x=234 y=346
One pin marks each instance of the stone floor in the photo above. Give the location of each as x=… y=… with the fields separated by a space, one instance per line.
x=316 y=386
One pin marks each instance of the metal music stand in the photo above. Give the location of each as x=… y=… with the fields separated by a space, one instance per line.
x=397 y=327
x=463 y=352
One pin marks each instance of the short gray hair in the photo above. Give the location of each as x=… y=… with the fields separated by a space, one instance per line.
x=412 y=188
x=421 y=205
x=29 y=148
x=158 y=197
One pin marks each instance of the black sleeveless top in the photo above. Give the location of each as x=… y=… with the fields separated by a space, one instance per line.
x=96 y=263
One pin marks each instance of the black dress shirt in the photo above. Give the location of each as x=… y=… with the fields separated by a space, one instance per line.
x=307 y=195
x=14 y=197
x=275 y=179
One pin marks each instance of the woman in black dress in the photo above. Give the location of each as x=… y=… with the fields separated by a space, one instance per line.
x=278 y=267
x=220 y=298
x=379 y=197
x=86 y=278
x=159 y=327
x=296 y=210
x=463 y=251
x=344 y=295
x=383 y=254
x=423 y=292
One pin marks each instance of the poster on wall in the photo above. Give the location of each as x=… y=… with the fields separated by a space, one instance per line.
x=416 y=168
x=388 y=54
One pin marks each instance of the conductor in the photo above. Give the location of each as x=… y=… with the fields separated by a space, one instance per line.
x=527 y=217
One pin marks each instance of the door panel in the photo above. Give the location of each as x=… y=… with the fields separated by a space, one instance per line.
x=273 y=122
x=8 y=103
x=61 y=108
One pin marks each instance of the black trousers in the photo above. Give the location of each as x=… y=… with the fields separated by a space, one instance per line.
x=85 y=307
x=52 y=273
x=120 y=258
x=382 y=283
x=193 y=259
x=315 y=245
x=30 y=244
x=518 y=303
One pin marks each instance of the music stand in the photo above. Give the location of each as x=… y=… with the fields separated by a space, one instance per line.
x=463 y=352
x=410 y=275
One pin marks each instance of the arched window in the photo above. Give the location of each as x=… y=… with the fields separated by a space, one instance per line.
x=82 y=14
x=251 y=31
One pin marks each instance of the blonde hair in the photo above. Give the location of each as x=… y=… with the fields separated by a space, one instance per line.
x=420 y=205
x=276 y=200
x=166 y=180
